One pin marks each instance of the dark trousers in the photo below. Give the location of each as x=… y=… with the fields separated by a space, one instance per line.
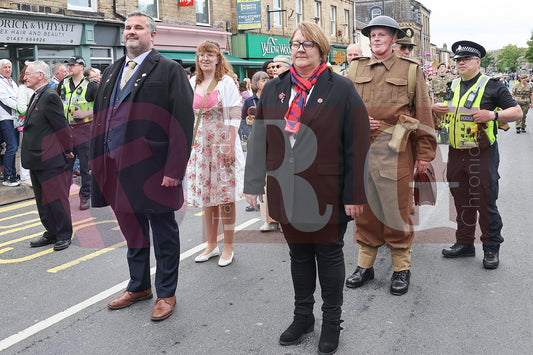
x=473 y=178
x=136 y=229
x=328 y=259
x=51 y=188
x=7 y=131
x=81 y=134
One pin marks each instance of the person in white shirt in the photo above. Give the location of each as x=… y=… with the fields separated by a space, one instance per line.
x=8 y=112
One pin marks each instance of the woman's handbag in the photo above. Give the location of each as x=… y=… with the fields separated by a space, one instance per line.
x=425 y=187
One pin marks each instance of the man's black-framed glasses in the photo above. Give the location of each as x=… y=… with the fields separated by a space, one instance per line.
x=295 y=45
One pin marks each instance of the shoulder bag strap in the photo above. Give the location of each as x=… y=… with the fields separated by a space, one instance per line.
x=211 y=87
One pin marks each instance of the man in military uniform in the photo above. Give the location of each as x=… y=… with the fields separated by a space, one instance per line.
x=473 y=156
x=78 y=94
x=381 y=82
x=438 y=90
x=405 y=45
x=523 y=94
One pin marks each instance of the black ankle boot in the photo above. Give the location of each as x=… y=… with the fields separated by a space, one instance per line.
x=329 y=337
x=302 y=324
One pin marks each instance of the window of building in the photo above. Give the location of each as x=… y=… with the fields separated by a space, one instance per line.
x=82 y=5
x=333 y=21
x=149 y=7
x=298 y=11
x=101 y=57
x=375 y=11
x=276 y=6
x=318 y=13
x=346 y=31
x=202 y=12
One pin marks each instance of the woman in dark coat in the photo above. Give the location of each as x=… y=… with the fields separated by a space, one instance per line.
x=310 y=138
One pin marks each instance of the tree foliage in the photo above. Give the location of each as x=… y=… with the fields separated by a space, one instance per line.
x=529 y=52
x=508 y=58
x=487 y=60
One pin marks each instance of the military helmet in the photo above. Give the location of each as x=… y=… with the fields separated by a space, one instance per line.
x=408 y=39
x=383 y=21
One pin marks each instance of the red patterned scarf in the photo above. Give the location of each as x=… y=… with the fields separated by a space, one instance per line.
x=296 y=108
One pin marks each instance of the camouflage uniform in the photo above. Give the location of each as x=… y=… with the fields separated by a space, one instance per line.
x=438 y=89
x=522 y=95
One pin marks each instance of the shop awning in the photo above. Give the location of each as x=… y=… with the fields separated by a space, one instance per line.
x=241 y=62
x=190 y=58
x=183 y=56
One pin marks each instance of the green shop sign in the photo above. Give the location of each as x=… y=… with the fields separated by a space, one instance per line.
x=259 y=47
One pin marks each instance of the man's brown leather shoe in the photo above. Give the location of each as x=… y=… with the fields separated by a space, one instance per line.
x=164 y=307
x=128 y=298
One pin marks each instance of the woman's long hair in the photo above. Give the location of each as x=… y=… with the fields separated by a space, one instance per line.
x=222 y=68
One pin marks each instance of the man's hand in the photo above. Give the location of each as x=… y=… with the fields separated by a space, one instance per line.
x=483 y=116
x=69 y=155
x=252 y=200
x=170 y=182
x=353 y=210
x=439 y=108
x=421 y=166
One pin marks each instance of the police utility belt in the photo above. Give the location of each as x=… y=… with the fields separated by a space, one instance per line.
x=464 y=132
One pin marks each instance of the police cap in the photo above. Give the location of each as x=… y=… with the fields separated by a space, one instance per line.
x=463 y=49
x=383 y=21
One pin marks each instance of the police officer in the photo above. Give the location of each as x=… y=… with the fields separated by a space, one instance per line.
x=405 y=45
x=523 y=94
x=77 y=94
x=381 y=81
x=473 y=156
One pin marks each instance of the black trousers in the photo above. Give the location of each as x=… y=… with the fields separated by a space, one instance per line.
x=322 y=254
x=82 y=145
x=51 y=188
x=136 y=229
x=473 y=178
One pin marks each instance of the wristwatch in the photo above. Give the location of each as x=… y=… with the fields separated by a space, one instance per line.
x=495 y=115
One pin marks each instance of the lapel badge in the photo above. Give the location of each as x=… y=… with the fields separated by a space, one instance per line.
x=319 y=100
x=281 y=97
x=143 y=75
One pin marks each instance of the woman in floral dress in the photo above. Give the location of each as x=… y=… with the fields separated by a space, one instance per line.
x=216 y=166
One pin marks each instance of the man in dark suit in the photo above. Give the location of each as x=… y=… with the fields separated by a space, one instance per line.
x=142 y=134
x=46 y=144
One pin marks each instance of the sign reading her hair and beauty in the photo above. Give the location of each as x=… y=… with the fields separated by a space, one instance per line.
x=16 y=30
x=248 y=14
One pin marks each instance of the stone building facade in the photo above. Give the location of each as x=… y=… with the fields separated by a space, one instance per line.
x=55 y=30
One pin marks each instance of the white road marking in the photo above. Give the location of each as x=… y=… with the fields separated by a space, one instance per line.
x=56 y=318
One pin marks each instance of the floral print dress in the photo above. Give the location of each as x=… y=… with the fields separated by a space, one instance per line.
x=211 y=179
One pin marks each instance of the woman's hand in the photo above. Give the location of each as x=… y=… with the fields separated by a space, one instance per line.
x=252 y=200
x=374 y=124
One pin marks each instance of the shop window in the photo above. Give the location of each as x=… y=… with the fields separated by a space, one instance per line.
x=150 y=7
x=101 y=57
x=298 y=11
x=202 y=12
x=318 y=13
x=333 y=21
x=83 y=5
x=276 y=6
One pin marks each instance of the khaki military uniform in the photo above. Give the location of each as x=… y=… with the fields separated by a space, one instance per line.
x=522 y=95
x=386 y=219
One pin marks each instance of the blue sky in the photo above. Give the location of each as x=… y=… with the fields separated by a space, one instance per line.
x=491 y=23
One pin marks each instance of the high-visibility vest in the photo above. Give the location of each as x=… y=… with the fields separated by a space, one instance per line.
x=76 y=99
x=459 y=118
